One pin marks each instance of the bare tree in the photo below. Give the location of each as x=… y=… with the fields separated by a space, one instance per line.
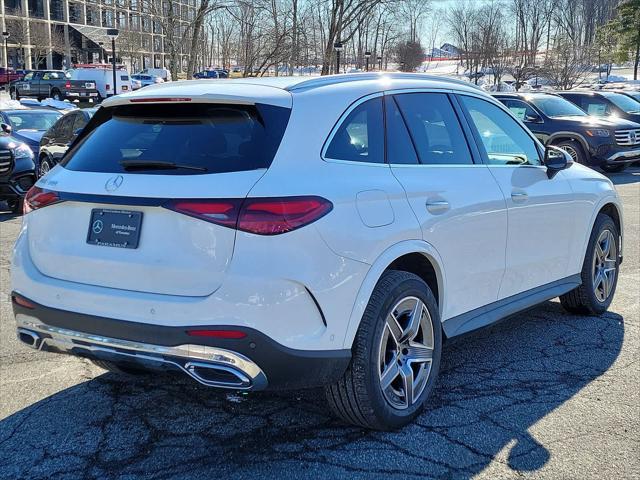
x=566 y=67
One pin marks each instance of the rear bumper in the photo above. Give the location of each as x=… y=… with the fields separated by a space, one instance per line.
x=254 y=362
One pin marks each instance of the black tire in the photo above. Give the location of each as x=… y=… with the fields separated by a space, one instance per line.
x=119 y=368
x=613 y=168
x=573 y=148
x=357 y=398
x=56 y=95
x=583 y=299
x=13 y=93
x=16 y=205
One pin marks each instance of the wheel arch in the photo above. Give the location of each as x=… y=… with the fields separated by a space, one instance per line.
x=414 y=256
x=610 y=206
x=558 y=137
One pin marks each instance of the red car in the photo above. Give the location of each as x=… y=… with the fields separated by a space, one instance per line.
x=8 y=75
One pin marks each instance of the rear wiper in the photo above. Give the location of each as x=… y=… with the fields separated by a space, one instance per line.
x=157 y=165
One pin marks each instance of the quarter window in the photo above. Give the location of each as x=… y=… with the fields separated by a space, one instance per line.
x=360 y=137
x=434 y=128
x=504 y=140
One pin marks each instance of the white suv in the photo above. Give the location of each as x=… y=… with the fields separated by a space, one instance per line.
x=296 y=232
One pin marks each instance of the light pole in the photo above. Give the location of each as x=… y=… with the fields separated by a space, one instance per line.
x=379 y=62
x=367 y=55
x=338 y=46
x=112 y=33
x=100 y=50
x=6 y=50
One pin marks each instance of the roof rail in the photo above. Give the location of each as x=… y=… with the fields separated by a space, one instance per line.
x=355 y=77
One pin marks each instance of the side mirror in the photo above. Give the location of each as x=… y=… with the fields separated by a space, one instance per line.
x=556 y=159
x=533 y=118
x=6 y=128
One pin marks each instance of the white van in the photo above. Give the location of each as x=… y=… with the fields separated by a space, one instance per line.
x=102 y=75
x=163 y=73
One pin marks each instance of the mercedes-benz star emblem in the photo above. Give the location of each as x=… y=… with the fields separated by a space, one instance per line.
x=97 y=226
x=114 y=183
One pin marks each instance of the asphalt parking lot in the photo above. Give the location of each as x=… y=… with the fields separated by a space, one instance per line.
x=543 y=395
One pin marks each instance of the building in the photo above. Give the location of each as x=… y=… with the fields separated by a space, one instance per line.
x=60 y=33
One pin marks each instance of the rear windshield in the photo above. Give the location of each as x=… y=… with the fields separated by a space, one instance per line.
x=184 y=139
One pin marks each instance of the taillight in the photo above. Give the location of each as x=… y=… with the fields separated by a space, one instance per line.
x=67 y=85
x=262 y=216
x=37 y=198
x=221 y=212
x=272 y=216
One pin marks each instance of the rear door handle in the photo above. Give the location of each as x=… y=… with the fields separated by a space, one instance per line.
x=437 y=206
x=519 y=196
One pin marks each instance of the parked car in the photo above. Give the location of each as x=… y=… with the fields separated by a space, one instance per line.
x=163 y=73
x=147 y=79
x=211 y=74
x=605 y=103
x=54 y=84
x=101 y=75
x=609 y=143
x=135 y=84
x=17 y=171
x=8 y=75
x=27 y=125
x=55 y=142
x=635 y=94
x=324 y=231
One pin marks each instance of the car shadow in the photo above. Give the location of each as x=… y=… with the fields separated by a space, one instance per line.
x=630 y=175
x=494 y=386
x=5 y=213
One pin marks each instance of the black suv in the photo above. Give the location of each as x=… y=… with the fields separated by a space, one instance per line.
x=605 y=104
x=609 y=143
x=17 y=171
x=55 y=142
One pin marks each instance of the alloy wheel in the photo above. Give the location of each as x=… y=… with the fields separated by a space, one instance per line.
x=571 y=151
x=44 y=168
x=604 y=267
x=406 y=353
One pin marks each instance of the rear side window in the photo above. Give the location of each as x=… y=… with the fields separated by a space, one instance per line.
x=196 y=139
x=399 y=145
x=434 y=128
x=360 y=137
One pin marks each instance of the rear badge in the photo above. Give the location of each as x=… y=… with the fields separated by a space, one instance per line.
x=114 y=183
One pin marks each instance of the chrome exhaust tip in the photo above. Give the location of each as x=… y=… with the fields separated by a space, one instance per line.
x=217 y=375
x=31 y=339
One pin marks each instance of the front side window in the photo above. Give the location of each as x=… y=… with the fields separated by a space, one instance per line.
x=521 y=110
x=360 y=137
x=503 y=139
x=434 y=128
